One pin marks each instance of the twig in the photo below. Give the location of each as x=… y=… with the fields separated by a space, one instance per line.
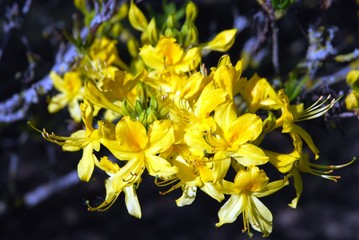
x=16 y=107
x=41 y=193
x=267 y=7
x=45 y=191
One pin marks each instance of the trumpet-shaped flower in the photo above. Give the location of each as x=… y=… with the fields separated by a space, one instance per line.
x=141 y=149
x=71 y=92
x=169 y=55
x=193 y=172
x=230 y=140
x=248 y=186
x=88 y=140
x=131 y=200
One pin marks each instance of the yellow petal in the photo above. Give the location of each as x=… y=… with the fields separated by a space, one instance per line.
x=223 y=41
x=298 y=185
x=246 y=127
x=151 y=58
x=131 y=135
x=221 y=164
x=57 y=103
x=352 y=100
x=161 y=136
x=230 y=211
x=249 y=154
x=187 y=197
x=87 y=163
x=352 y=77
x=132 y=203
x=157 y=166
x=259 y=216
x=57 y=81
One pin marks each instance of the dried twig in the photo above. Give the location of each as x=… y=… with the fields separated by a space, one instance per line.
x=16 y=107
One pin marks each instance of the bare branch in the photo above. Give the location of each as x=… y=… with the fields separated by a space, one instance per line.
x=16 y=107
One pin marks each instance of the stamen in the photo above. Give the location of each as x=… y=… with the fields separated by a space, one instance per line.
x=103 y=206
x=317 y=109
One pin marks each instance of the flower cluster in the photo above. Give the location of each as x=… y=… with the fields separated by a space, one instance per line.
x=191 y=128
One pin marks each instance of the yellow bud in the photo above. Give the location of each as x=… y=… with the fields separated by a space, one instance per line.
x=132 y=46
x=353 y=78
x=223 y=61
x=152 y=32
x=222 y=42
x=137 y=18
x=191 y=12
x=352 y=100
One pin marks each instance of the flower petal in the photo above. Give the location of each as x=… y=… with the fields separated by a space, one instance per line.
x=249 y=154
x=230 y=210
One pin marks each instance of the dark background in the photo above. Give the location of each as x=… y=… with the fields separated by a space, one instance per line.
x=327 y=210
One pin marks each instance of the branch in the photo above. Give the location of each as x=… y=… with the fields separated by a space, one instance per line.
x=16 y=107
x=43 y=192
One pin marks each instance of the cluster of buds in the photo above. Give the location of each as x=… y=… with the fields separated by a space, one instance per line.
x=190 y=128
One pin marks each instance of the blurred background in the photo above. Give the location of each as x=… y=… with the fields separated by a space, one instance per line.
x=31 y=168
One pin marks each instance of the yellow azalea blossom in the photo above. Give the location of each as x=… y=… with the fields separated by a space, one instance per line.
x=193 y=172
x=170 y=56
x=259 y=94
x=71 y=92
x=177 y=85
x=104 y=51
x=141 y=149
x=131 y=200
x=248 y=186
x=230 y=140
x=227 y=76
x=88 y=140
x=291 y=114
x=192 y=119
x=305 y=166
x=286 y=162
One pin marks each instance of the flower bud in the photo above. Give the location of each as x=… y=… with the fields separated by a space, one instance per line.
x=132 y=46
x=137 y=18
x=191 y=12
x=152 y=32
x=189 y=34
x=223 y=41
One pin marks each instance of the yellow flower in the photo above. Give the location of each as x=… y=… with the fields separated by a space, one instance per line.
x=296 y=113
x=248 y=186
x=168 y=55
x=88 y=140
x=227 y=76
x=142 y=148
x=259 y=94
x=286 y=162
x=104 y=51
x=193 y=172
x=131 y=200
x=230 y=140
x=71 y=92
